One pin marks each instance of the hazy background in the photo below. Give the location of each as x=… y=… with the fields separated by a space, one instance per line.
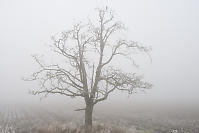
x=170 y=27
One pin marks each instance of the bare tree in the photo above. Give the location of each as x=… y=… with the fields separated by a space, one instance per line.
x=91 y=78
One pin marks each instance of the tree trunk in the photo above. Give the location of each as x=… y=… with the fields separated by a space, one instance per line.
x=88 y=115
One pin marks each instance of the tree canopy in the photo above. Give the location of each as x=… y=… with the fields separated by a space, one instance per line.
x=88 y=50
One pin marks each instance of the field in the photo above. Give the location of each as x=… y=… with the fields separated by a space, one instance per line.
x=44 y=120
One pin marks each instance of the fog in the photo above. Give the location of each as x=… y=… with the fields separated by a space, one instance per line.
x=169 y=27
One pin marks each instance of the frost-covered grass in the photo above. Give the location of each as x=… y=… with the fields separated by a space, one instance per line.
x=95 y=129
x=29 y=120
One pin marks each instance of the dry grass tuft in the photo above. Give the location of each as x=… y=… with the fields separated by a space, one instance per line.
x=95 y=129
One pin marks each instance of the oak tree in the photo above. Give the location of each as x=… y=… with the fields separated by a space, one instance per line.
x=89 y=50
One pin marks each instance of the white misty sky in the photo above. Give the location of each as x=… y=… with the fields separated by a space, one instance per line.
x=170 y=27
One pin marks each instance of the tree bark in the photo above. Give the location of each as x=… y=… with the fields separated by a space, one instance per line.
x=88 y=115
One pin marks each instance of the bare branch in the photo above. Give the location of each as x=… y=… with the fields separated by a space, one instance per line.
x=92 y=79
x=79 y=109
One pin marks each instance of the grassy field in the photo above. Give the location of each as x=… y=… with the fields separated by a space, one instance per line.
x=42 y=120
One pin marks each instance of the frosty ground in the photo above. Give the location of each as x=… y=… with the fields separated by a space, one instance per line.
x=62 y=120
